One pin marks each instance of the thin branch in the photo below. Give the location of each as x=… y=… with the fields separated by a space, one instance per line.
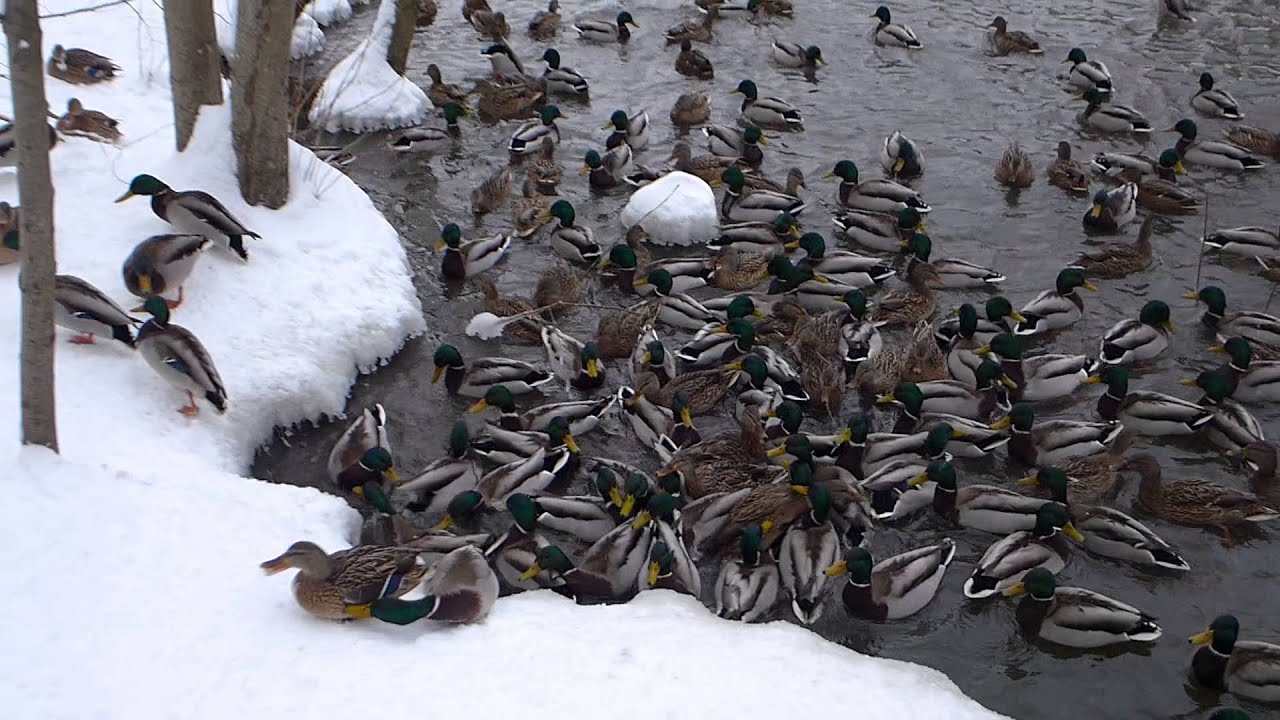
x=91 y=8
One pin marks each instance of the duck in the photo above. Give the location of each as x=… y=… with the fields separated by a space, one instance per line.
x=90 y=124
x=947 y=396
x=651 y=356
x=721 y=346
x=1087 y=74
x=618 y=332
x=738 y=269
x=747 y=586
x=474 y=380
x=1161 y=195
x=908 y=305
x=492 y=25
x=561 y=79
x=740 y=147
x=1016 y=42
x=1244 y=669
x=813 y=293
x=896 y=587
x=691 y=108
x=570 y=240
x=653 y=424
x=192 y=211
x=879 y=196
x=1213 y=153
x=756 y=236
x=1192 y=501
x=545 y=23
x=1249 y=240
x=361 y=459
x=631 y=129
x=1215 y=102
x=605 y=31
x=558 y=287
x=1249 y=381
x=1067 y=173
x=1112 y=209
x=766 y=111
x=1014 y=169
x=674 y=308
x=527 y=139
x=962 y=357
x=780 y=8
x=952 y=273
x=1232 y=427
x=740 y=205
x=987 y=508
x=1007 y=561
x=706 y=167
x=704 y=388
x=79 y=306
x=434 y=489
x=1255 y=139
x=608 y=171
x=1075 y=617
x=892 y=34
x=508 y=100
x=504 y=61
x=1041 y=377
x=876 y=450
x=686 y=273
x=441 y=93
x=809 y=547
x=1000 y=318
x=427 y=138
x=461 y=589
x=161 y=263
x=177 y=355
x=1058 y=308
x=1054 y=441
x=554 y=456
x=669 y=565
x=1260 y=329
x=1101 y=114
x=79 y=66
x=693 y=63
x=795 y=55
x=463 y=260
x=694 y=30
x=492 y=193
x=1145 y=412
x=341 y=586
x=529 y=211
x=901 y=158
x=590 y=517
x=1137 y=340
x=1116 y=260
x=840 y=266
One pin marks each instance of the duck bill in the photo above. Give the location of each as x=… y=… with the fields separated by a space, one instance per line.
x=1008 y=382
x=828 y=176
x=886 y=399
x=958 y=433
x=839 y=568
x=1191 y=296
x=652 y=577
x=435 y=375
x=144 y=283
x=686 y=417
x=1073 y=533
x=1095 y=211
x=1189 y=382
x=641 y=520
x=586 y=170
x=441 y=245
x=897 y=166
x=479 y=407
x=1015 y=590
x=640 y=282
x=274 y=565
x=1167 y=325
x=572 y=444
x=764 y=140
x=800 y=489
x=918 y=480
x=533 y=570
x=445 y=523
x=1093 y=380
x=778 y=451
x=627 y=505
x=845 y=436
x=792 y=246
x=593 y=368
x=393 y=476
x=127 y=194
x=985 y=349
x=1003 y=423
x=1218 y=350
x=1089 y=286
x=1179 y=168
x=1029 y=481
x=1202 y=638
x=1017 y=316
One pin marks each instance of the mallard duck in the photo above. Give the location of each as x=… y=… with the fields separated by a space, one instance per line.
x=559 y=285
x=1058 y=308
x=812 y=292
x=747 y=588
x=795 y=55
x=694 y=30
x=570 y=240
x=608 y=171
x=1249 y=381
x=583 y=416
x=1102 y=115
x=1085 y=73
x=515 y=98
x=691 y=108
x=1042 y=377
x=1008 y=560
x=462 y=588
x=492 y=25
x=1192 y=501
x=706 y=167
x=651 y=356
x=1163 y=195
x=653 y=424
x=896 y=587
x=892 y=34
x=704 y=388
x=8 y=144
x=529 y=212
x=88 y=123
x=192 y=211
x=179 y=357
x=757 y=236
x=880 y=196
x=881 y=449
x=79 y=306
x=492 y=193
x=951 y=272
x=475 y=380
x=809 y=547
x=740 y=205
x=1260 y=329
x=962 y=357
x=506 y=65
x=1232 y=427
x=161 y=263
x=900 y=157
x=341 y=586
x=767 y=111
x=1053 y=441
x=686 y=273
x=1067 y=173
x=1076 y=617
x=1005 y=42
x=736 y=269
x=434 y=489
x=907 y=305
x=591 y=517
x=1112 y=209
x=840 y=266
x=576 y=362
x=980 y=507
x=561 y=79
x=441 y=93
x=1145 y=412
x=1244 y=669
x=860 y=337
x=470 y=7
x=951 y=397
x=1254 y=139
x=605 y=31
x=471 y=258
x=780 y=8
x=1137 y=340
x=542 y=171
x=720 y=347
x=1215 y=102
x=693 y=63
x=527 y=139
x=1014 y=168
x=1117 y=260
x=545 y=23
x=1251 y=240
x=79 y=66
x=1213 y=153
x=361 y=458
x=618 y=333
x=427 y=138
x=741 y=146
x=1000 y=318
x=668 y=564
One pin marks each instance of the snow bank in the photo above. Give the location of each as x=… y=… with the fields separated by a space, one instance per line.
x=329 y=12
x=308 y=38
x=174 y=619
x=676 y=209
x=362 y=93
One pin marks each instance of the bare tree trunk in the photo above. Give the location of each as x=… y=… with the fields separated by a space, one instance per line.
x=260 y=101
x=194 y=62
x=402 y=34
x=35 y=192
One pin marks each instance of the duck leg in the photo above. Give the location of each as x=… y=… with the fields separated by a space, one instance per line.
x=82 y=339
x=1227 y=540
x=190 y=409
x=174 y=303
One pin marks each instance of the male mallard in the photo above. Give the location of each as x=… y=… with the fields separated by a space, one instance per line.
x=527 y=139
x=907 y=305
x=608 y=171
x=1137 y=340
x=840 y=266
x=605 y=31
x=630 y=129
x=192 y=211
x=545 y=23
x=896 y=587
x=79 y=66
x=756 y=235
x=1102 y=115
x=435 y=489
x=1005 y=42
x=669 y=566
x=88 y=123
x=1058 y=308
x=1215 y=102
x=694 y=30
x=1213 y=153
x=767 y=111
x=758 y=205
x=1112 y=209
x=1000 y=318
x=809 y=547
x=951 y=272
x=686 y=273
x=1251 y=240
x=161 y=263
x=1244 y=669
x=491 y=25
x=951 y=397
x=341 y=586
x=180 y=358
x=1249 y=381
x=475 y=380
x=462 y=588
x=881 y=449
x=653 y=424
x=1076 y=617
x=741 y=146
x=1160 y=194
x=560 y=79
x=981 y=507
x=880 y=196
x=1260 y=329
x=79 y=306
x=1233 y=427
x=1192 y=501
x=427 y=138
x=583 y=416
x=747 y=588
x=361 y=459
x=1085 y=73
x=576 y=362
x=1008 y=560
x=962 y=350
x=1042 y=377
x=795 y=55
x=892 y=34
x=471 y=258
x=1116 y=260
x=1053 y=441
x=1015 y=169
x=591 y=517
x=691 y=108
x=693 y=63
x=900 y=157
x=442 y=93
x=1145 y=412
x=1255 y=139
x=1067 y=173
x=570 y=240
x=506 y=65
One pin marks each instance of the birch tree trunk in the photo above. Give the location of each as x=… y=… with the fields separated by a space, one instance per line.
x=402 y=34
x=194 y=62
x=260 y=101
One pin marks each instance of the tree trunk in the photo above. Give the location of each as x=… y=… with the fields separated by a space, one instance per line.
x=194 y=62
x=402 y=34
x=35 y=193
x=260 y=101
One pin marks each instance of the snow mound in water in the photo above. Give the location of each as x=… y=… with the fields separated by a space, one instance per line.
x=308 y=38
x=676 y=209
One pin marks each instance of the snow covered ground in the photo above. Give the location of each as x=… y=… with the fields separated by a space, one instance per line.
x=131 y=562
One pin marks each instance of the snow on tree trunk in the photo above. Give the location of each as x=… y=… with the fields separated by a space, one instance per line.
x=260 y=101
x=363 y=93
x=35 y=193
x=194 y=75
x=402 y=32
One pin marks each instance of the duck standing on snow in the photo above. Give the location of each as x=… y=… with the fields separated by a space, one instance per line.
x=892 y=34
x=80 y=67
x=79 y=306
x=341 y=586
x=180 y=358
x=161 y=263
x=1215 y=102
x=527 y=139
x=192 y=211
x=91 y=124
x=605 y=31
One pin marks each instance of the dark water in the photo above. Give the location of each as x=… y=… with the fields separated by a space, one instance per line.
x=963 y=108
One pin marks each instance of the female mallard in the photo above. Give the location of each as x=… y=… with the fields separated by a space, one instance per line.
x=608 y=171
x=492 y=193
x=88 y=123
x=529 y=211
x=341 y=586
x=545 y=23
x=1245 y=669
x=1008 y=560
x=79 y=306
x=1042 y=377
x=779 y=8
x=1067 y=173
x=491 y=25
x=896 y=587
x=795 y=55
x=1102 y=115
x=900 y=157
x=572 y=241
x=747 y=588
x=686 y=273
x=475 y=380
x=1087 y=74
x=508 y=100
x=506 y=65
x=1005 y=42
x=908 y=305
x=742 y=146
x=559 y=285
x=605 y=31
x=1260 y=329
x=1058 y=308
x=706 y=167
x=1053 y=441
x=693 y=63
x=180 y=358
x=1249 y=381
x=79 y=66
x=471 y=258
x=560 y=79
x=1213 y=153
x=1117 y=260
x=758 y=205
x=576 y=362
x=768 y=111
x=1137 y=340
x=691 y=108
x=840 y=266
x=810 y=546
x=527 y=139
x=542 y=171
x=1014 y=169
x=161 y=263
x=1192 y=501
x=1000 y=318
x=618 y=333
x=427 y=138
x=441 y=93
x=1076 y=617
x=880 y=196
x=737 y=269
x=1144 y=412
x=1112 y=209
x=694 y=30
x=192 y=211
x=952 y=272
x=1215 y=102
x=1254 y=139
x=704 y=388
x=892 y=34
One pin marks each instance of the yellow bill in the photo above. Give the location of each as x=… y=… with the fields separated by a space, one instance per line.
x=1015 y=590
x=1073 y=533
x=839 y=568
x=533 y=570
x=1003 y=423
x=435 y=375
x=479 y=407
x=654 y=571
x=1202 y=638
